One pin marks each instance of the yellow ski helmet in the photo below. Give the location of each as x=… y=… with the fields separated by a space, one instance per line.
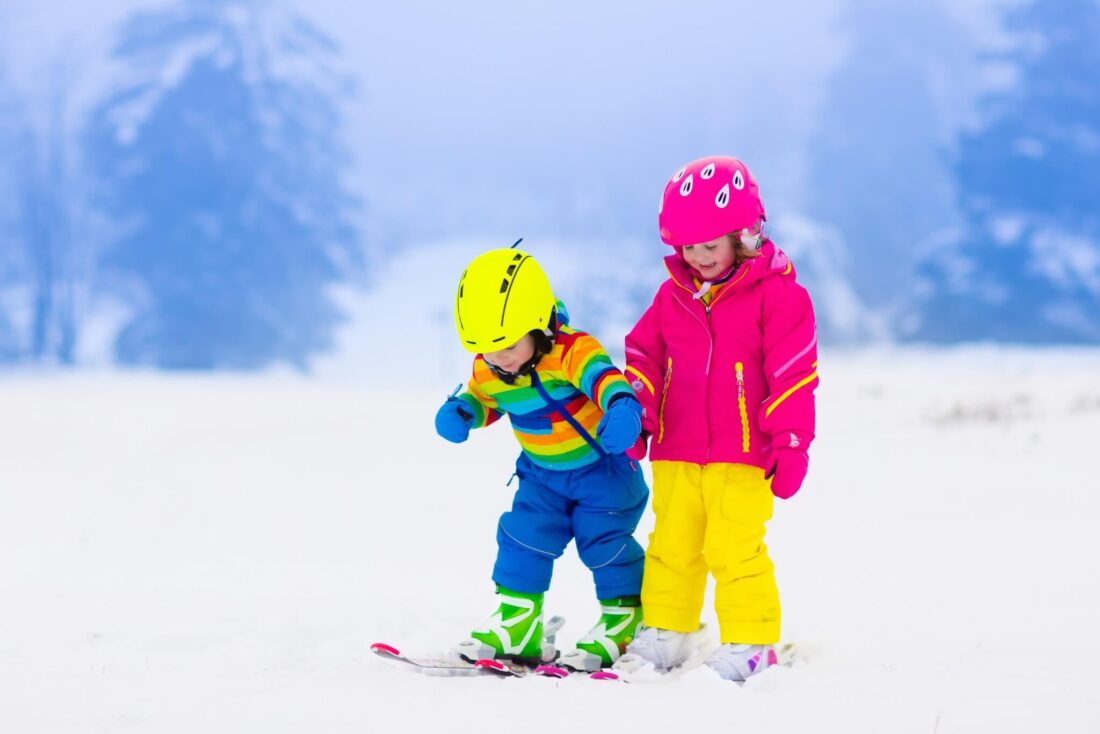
x=503 y=295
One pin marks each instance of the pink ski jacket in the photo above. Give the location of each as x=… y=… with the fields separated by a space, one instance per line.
x=735 y=380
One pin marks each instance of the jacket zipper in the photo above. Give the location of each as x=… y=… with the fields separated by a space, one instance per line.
x=710 y=359
x=664 y=397
x=741 y=407
x=706 y=324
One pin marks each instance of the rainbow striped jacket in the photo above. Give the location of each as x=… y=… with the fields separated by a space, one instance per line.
x=570 y=388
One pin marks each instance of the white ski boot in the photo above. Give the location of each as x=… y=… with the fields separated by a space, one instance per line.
x=737 y=662
x=660 y=650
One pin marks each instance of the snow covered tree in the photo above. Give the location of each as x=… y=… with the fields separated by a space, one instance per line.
x=12 y=267
x=38 y=263
x=222 y=162
x=48 y=201
x=1027 y=267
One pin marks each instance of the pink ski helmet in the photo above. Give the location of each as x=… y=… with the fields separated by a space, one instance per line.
x=708 y=198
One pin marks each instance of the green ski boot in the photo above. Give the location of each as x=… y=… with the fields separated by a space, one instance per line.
x=604 y=643
x=514 y=632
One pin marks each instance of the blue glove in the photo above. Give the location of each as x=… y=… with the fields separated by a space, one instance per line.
x=621 y=424
x=453 y=421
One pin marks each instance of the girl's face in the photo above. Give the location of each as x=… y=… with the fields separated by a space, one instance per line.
x=711 y=259
x=512 y=358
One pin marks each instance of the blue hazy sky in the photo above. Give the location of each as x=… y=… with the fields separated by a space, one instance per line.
x=495 y=117
x=507 y=116
x=489 y=120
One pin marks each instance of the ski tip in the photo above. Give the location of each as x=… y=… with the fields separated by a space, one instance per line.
x=552 y=671
x=604 y=675
x=490 y=664
x=384 y=649
x=498 y=667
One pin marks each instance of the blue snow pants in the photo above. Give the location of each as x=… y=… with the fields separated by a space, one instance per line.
x=599 y=505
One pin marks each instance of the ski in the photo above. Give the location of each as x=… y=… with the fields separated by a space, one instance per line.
x=441 y=665
x=452 y=665
x=508 y=669
x=502 y=668
x=446 y=666
x=553 y=671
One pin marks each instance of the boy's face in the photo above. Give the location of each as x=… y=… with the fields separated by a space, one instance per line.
x=512 y=358
x=711 y=259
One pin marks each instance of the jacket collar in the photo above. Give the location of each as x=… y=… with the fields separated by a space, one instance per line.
x=770 y=261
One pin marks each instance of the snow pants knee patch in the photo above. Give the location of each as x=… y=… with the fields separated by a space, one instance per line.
x=528 y=543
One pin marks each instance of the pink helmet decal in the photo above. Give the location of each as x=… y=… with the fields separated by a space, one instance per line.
x=708 y=198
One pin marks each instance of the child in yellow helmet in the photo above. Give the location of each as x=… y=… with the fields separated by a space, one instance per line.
x=574 y=415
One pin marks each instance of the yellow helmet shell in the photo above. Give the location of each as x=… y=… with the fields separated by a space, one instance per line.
x=503 y=295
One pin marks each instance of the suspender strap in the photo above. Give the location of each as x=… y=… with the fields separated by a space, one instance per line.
x=565 y=414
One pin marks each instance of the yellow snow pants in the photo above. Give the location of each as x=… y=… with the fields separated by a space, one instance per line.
x=711 y=518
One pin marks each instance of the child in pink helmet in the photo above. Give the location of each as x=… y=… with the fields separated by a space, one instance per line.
x=725 y=364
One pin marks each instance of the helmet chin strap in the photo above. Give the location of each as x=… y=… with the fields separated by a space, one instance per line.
x=542 y=348
x=524 y=369
x=507 y=377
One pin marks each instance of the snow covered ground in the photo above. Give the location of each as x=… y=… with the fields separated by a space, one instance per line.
x=215 y=554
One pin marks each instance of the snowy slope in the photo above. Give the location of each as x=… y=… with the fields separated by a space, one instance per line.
x=182 y=554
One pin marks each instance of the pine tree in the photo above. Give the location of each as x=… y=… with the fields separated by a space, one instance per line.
x=222 y=162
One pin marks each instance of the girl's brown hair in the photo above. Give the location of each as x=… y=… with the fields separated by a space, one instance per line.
x=741 y=253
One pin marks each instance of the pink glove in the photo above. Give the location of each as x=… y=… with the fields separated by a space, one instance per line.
x=787 y=463
x=649 y=411
x=786 y=468
x=649 y=422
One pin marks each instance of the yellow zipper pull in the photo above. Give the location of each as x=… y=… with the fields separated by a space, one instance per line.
x=664 y=396
x=742 y=408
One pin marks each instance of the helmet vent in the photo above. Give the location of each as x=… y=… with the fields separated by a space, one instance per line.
x=738 y=180
x=506 y=285
x=723 y=197
x=679 y=174
x=685 y=187
x=707 y=172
